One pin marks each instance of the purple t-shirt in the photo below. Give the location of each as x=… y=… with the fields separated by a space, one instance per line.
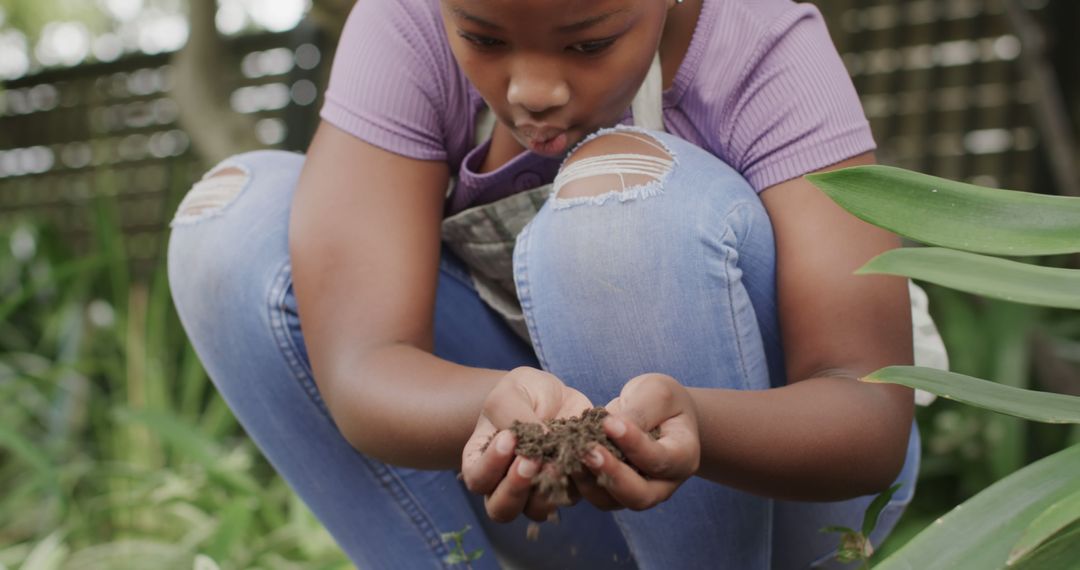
x=761 y=87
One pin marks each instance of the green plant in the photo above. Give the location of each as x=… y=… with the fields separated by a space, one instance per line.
x=1031 y=518
x=855 y=545
x=457 y=549
x=115 y=451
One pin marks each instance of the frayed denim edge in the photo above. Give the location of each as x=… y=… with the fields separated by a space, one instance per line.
x=636 y=192
x=187 y=220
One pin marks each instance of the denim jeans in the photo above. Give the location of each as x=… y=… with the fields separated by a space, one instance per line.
x=680 y=282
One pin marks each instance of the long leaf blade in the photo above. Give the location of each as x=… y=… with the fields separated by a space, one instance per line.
x=978 y=534
x=1059 y=553
x=982 y=275
x=1050 y=524
x=954 y=214
x=1028 y=404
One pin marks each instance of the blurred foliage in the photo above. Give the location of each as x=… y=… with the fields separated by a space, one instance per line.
x=1022 y=474
x=965 y=448
x=115 y=451
x=31 y=17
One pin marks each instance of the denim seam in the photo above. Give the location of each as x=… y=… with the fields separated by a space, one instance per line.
x=521 y=282
x=191 y=219
x=728 y=232
x=386 y=476
x=731 y=309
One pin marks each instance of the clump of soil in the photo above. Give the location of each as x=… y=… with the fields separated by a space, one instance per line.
x=559 y=444
x=560 y=448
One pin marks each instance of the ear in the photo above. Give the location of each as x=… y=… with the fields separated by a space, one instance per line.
x=671 y=3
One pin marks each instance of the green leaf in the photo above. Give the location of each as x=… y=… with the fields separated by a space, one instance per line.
x=191 y=443
x=979 y=534
x=1052 y=523
x=838 y=529
x=1028 y=404
x=49 y=554
x=872 y=511
x=954 y=214
x=1059 y=553
x=236 y=519
x=982 y=275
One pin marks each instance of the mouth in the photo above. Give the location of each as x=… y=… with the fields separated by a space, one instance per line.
x=547 y=141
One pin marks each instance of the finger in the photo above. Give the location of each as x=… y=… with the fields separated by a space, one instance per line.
x=508 y=499
x=524 y=394
x=538 y=507
x=624 y=484
x=483 y=468
x=592 y=492
x=674 y=456
x=639 y=447
x=648 y=400
x=509 y=401
x=574 y=403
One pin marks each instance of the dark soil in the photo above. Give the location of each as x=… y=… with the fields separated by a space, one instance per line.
x=559 y=445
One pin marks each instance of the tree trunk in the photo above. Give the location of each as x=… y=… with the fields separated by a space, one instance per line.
x=201 y=87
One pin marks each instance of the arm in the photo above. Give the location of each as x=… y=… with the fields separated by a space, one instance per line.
x=364 y=242
x=824 y=436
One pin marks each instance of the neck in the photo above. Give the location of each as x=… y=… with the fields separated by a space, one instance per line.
x=678 y=31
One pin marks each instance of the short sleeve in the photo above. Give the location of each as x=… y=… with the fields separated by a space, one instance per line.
x=794 y=109
x=387 y=82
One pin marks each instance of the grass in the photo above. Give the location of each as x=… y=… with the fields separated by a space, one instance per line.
x=115 y=450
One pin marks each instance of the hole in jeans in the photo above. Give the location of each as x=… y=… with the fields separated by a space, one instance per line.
x=622 y=163
x=209 y=196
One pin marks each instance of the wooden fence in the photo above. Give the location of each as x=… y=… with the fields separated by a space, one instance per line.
x=68 y=136
x=941 y=81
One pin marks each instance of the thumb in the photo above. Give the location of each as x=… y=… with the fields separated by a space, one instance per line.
x=524 y=394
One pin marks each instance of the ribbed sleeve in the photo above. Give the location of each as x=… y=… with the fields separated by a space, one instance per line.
x=388 y=81
x=791 y=108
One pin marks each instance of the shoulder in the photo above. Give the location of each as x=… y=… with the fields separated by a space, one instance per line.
x=741 y=32
x=772 y=96
x=395 y=83
x=416 y=23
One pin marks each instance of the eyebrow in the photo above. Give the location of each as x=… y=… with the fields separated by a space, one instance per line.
x=575 y=27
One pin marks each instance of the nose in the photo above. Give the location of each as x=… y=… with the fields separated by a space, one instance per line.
x=537 y=86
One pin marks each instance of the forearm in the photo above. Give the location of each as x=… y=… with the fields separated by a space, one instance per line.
x=819 y=439
x=405 y=406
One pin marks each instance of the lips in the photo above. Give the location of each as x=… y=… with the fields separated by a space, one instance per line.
x=543 y=139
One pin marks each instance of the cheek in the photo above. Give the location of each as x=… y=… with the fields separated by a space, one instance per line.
x=488 y=79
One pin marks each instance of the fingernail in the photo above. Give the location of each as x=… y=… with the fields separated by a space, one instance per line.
x=594 y=459
x=527 y=468
x=617 y=427
x=504 y=446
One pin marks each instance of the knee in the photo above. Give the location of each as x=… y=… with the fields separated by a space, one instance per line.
x=616 y=164
x=628 y=194
x=223 y=184
x=230 y=231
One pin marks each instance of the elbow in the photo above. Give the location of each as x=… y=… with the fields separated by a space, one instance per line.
x=888 y=463
x=344 y=406
x=893 y=439
x=349 y=423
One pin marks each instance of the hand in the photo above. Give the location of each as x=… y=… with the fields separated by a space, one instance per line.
x=646 y=402
x=527 y=395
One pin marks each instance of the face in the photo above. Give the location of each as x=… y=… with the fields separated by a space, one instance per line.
x=553 y=71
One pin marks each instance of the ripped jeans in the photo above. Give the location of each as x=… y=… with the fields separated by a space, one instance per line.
x=679 y=281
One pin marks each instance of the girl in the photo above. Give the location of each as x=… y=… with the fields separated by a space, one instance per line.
x=679 y=271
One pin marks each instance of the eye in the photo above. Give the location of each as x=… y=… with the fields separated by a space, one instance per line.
x=482 y=42
x=593 y=47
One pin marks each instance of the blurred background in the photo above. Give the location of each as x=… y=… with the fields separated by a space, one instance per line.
x=115 y=450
